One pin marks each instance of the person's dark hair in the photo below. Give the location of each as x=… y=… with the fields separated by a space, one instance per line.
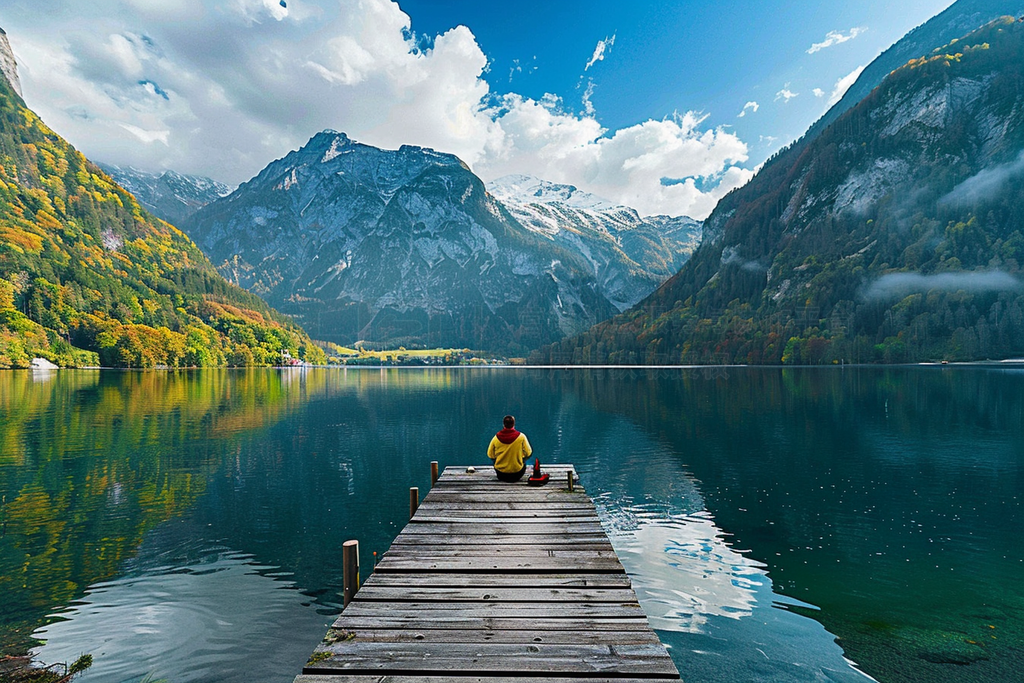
x=508 y=421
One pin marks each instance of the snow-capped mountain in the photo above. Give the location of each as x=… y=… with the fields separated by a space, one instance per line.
x=398 y=247
x=629 y=255
x=168 y=195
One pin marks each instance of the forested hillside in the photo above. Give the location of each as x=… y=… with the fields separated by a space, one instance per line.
x=897 y=235
x=87 y=276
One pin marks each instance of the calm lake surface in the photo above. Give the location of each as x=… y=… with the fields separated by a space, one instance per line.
x=779 y=524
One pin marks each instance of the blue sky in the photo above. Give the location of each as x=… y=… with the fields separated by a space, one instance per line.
x=223 y=87
x=712 y=57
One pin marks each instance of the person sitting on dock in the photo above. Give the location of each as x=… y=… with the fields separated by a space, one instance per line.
x=509 y=449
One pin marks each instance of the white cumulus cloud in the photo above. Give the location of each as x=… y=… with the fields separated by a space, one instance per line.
x=603 y=46
x=835 y=38
x=818 y=92
x=222 y=88
x=652 y=166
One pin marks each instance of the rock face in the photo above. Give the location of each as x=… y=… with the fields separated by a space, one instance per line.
x=957 y=20
x=170 y=196
x=629 y=255
x=8 y=67
x=396 y=247
x=895 y=235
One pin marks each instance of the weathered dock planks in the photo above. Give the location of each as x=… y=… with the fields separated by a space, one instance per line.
x=495 y=582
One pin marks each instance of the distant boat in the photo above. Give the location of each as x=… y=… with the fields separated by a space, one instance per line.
x=42 y=364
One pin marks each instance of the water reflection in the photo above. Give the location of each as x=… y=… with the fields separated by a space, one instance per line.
x=714 y=604
x=887 y=498
x=883 y=504
x=181 y=618
x=694 y=575
x=91 y=462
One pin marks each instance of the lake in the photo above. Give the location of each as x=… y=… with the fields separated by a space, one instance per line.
x=805 y=524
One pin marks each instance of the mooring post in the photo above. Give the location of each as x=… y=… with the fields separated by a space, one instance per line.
x=414 y=500
x=350 y=569
x=433 y=473
x=570 y=480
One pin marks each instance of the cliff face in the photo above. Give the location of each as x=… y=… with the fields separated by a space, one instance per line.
x=8 y=66
x=895 y=235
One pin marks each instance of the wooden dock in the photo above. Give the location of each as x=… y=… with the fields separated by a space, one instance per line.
x=495 y=582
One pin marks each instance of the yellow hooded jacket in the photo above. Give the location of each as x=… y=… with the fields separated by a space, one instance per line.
x=509 y=457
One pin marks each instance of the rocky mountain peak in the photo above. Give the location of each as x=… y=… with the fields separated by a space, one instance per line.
x=628 y=255
x=406 y=247
x=8 y=66
x=328 y=145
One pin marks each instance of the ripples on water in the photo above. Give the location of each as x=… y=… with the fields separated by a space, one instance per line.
x=692 y=582
x=190 y=621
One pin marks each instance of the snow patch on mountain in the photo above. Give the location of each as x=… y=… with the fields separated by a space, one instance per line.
x=520 y=187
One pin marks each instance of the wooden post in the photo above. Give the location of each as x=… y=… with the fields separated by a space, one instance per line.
x=569 y=473
x=414 y=500
x=433 y=473
x=350 y=569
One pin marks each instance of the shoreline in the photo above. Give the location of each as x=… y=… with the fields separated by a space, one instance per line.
x=1007 y=363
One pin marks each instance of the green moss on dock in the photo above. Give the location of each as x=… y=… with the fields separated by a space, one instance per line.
x=319 y=656
x=335 y=635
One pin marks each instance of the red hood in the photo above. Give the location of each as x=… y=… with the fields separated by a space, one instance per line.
x=507 y=436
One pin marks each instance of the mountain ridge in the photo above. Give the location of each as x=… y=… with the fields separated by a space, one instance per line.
x=630 y=255
x=954 y=22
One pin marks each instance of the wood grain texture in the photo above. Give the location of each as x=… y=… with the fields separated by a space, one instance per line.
x=447 y=580
x=517 y=635
x=489 y=658
x=491 y=581
x=423 y=621
x=554 y=540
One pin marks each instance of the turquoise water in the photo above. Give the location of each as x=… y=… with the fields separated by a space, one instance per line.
x=779 y=525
